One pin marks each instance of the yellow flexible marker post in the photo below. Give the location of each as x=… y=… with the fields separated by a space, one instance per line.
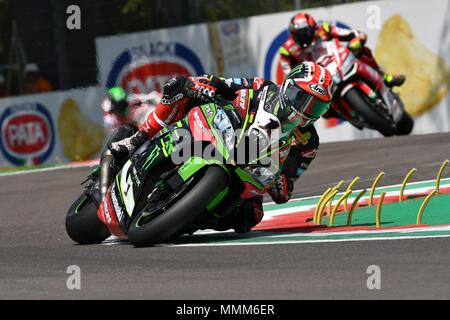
x=324 y=203
x=336 y=187
x=374 y=185
x=380 y=204
x=339 y=185
x=350 y=187
x=405 y=181
x=320 y=203
x=424 y=205
x=338 y=203
x=439 y=176
x=354 y=204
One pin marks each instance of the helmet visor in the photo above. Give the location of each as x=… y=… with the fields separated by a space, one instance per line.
x=305 y=108
x=303 y=37
x=119 y=107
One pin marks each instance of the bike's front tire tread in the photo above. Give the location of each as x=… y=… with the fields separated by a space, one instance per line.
x=185 y=210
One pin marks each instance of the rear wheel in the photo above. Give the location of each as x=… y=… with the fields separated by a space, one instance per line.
x=82 y=224
x=150 y=228
x=377 y=119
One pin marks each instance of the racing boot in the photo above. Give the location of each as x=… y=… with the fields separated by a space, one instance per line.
x=123 y=149
x=393 y=80
x=248 y=214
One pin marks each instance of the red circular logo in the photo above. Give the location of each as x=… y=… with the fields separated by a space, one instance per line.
x=152 y=76
x=26 y=133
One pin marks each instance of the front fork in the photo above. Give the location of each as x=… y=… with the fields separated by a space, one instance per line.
x=107 y=158
x=105 y=172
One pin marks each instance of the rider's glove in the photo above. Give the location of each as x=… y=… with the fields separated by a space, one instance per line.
x=249 y=215
x=123 y=149
x=181 y=89
x=175 y=90
x=202 y=88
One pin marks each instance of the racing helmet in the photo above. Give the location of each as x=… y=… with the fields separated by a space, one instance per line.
x=302 y=28
x=305 y=95
x=118 y=99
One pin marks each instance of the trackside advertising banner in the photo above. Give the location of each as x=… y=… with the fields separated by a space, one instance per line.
x=51 y=128
x=405 y=36
x=409 y=37
x=144 y=61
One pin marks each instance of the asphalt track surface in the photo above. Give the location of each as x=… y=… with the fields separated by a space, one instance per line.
x=35 y=251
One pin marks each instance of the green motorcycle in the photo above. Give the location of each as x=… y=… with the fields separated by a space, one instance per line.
x=193 y=172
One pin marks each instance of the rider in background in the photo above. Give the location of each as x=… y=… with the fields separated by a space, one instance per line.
x=34 y=81
x=298 y=103
x=120 y=108
x=304 y=31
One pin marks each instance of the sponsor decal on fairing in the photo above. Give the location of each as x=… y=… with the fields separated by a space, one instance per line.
x=209 y=112
x=117 y=207
x=317 y=88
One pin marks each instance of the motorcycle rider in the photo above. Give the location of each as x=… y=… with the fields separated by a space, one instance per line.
x=304 y=31
x=303 y=97
x=120 y=108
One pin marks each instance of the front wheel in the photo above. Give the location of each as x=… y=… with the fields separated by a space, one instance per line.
x=184 y=210
x=82 y=224
x=405 y=125
x=377 y=119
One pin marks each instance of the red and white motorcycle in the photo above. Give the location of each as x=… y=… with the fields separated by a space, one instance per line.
x=140 y=106
x=365 y=103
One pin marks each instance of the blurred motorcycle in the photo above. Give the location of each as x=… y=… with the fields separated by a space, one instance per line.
x=138 y=107
x=365 y=103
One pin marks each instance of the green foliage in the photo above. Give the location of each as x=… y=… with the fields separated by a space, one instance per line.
x=131 y=6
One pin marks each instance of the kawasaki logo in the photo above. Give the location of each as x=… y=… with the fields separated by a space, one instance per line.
x=316 y=88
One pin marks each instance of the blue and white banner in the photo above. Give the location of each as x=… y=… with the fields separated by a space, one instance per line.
x=142 y=62
x=51 y=128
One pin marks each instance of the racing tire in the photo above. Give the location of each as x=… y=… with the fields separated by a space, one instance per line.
x=363 y=106
x=82 y=223
x=185 y=210
x=406 y=124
